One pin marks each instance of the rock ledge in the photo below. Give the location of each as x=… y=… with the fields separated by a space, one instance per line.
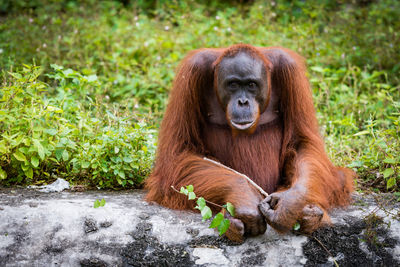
x=51 y=229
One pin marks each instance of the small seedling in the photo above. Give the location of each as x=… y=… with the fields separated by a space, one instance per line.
x=99 y=203
x=219 y=221
x=296 y=226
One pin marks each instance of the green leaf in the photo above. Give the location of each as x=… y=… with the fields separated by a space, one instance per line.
x=51 y=131
x=361 y=133
x=206 y=213
x=3 y=148
x=121 y=174
x=98 y=203
x=116 y=150
x=68 y=72
x=191 y=195
x=355 y=163
x=223 y=226
x=201 y=203
x=296 y=226
x=25 y=166
x=317 y=69
x=29 y=173
x=54 y=109
x=386 y=173
x=217 y=220
x=190 y=188
x=391 y=182
x=390 y=161
x=56 y=67
x=92 y=78
x=65 y=155
x=3 y=174
x=59 y=153
x=184 y=191
x=35 y=161
x=230 y=208
x=39 y=148
x=19 y=156
x=85 y=164
x=127 y=159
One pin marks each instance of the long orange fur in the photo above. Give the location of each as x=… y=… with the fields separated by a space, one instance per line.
x=277 y=156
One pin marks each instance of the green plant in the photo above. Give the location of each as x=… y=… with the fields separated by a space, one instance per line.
x=219 y=221
x=360 y=116
x=99 y=203
x=42 y=135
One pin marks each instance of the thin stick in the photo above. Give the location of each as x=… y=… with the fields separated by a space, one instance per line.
x=241 y=174
x=207 y=201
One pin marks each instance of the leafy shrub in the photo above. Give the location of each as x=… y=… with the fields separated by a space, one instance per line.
x=44 y=135
x=360 y=118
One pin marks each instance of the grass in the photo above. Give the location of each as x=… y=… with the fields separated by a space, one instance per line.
x=109 y=69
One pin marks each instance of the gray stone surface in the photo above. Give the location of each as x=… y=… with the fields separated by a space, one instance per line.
x=63 y=229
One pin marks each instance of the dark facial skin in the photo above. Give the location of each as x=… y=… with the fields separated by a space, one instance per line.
x=242 y=89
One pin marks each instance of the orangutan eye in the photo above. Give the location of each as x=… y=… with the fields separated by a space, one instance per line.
x=252 y=85
x=233 y=85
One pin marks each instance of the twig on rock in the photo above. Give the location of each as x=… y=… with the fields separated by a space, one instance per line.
x=207 y=201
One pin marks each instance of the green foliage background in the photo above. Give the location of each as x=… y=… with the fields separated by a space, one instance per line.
x=88 y=102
